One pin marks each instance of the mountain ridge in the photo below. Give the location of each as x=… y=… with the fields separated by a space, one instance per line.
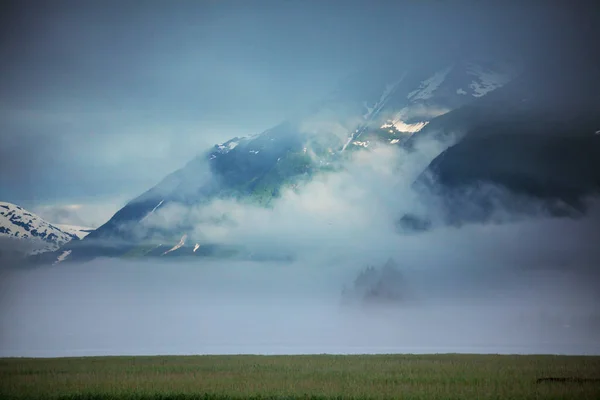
x=389 y=109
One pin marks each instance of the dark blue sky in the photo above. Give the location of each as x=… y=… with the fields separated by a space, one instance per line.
x=100 y=100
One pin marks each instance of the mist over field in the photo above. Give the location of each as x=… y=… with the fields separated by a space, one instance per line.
x=524 y=285
x=478 y=289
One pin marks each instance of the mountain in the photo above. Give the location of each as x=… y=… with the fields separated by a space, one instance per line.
x=386 y=104
x=407 y=99
x=535 y=144
x=23 y=232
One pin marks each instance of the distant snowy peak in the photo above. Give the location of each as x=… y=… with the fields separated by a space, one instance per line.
x=18 y=223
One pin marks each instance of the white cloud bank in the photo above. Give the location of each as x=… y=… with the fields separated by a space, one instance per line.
x=90 y=214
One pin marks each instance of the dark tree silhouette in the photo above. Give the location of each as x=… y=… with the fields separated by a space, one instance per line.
x=377 y=285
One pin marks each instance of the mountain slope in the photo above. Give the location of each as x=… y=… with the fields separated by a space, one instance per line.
x=559 y=90
x=31 y=233
x=386 y=105
x=532 y=145
x=410 y=103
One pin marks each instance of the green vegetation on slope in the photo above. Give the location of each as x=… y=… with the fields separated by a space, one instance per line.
x=290 y=170
x=285 y=172
x=321 y=376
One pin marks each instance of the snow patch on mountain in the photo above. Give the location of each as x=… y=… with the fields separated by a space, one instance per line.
x=486 y=80
x=62 y=257
x=348 y=142
x=364 y=144
x=158 y=205
x=177 y=246
x=226 y=147
x=402 y=126
x=154 y=209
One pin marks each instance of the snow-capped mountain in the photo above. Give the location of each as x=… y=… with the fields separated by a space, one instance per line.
x=388 y=104
x=408 y=99
x=34 y=233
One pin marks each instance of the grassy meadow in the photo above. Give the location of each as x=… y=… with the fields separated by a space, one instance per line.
x=449 y=376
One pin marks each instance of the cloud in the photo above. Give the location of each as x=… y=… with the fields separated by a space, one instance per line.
x=354 y=205
x=67 y=214
x=88 y=214
x=519 y=286
x=351 y=214
x=487 y=288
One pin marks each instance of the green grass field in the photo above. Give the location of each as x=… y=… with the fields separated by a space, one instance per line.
x=289 y=377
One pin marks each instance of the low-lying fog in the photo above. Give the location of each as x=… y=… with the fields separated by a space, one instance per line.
x=457 y=301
